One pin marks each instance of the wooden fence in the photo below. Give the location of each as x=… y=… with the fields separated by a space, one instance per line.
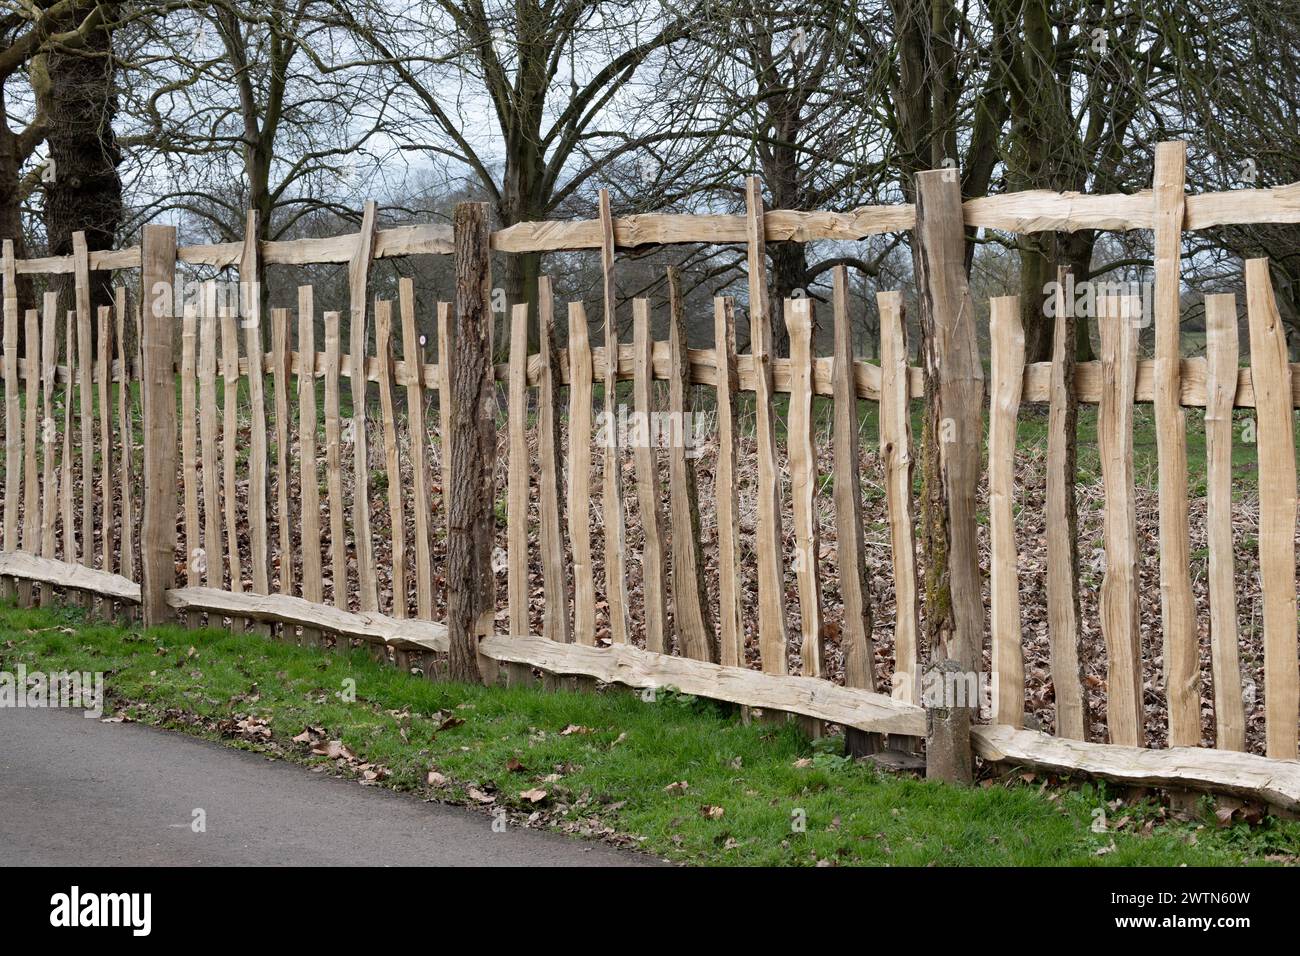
x=234 y=520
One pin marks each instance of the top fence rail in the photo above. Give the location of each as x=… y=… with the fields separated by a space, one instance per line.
x=1021 y=212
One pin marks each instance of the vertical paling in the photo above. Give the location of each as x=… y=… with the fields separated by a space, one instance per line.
x=213 y=563
x=555 y=619
x=1062 y=531
x=195 y=552
x=308 y=475
x=392 y=465
x=413 y=360
x=31 y=435
x=1271 y=376
x=726 y=493
x=1178 y=625
x=49 y=477
x=334 y=466
x=653 y=565
x=1220 y=395
x=1119 y=599
x=230 y=444
x=896 y=452
x=772 y=636
x=612 y=487
x=280 y=371
x=803 y=485
x=1007 y=350
x=358 y=273
x=691 y=618
x=579 y=476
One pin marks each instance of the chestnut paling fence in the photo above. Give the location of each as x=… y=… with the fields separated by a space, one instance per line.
x=117 y=491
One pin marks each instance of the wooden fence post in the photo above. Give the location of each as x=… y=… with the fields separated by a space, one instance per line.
x=950 y=458
x=471 y=582
x=158 y=532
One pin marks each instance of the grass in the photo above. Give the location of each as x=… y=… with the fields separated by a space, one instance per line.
x=783 y=800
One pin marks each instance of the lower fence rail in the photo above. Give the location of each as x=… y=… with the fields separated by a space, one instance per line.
x=1273 y=782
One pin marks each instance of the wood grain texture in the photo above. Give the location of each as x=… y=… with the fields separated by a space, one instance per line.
x=896 y=453
x=1119 y=597
x=313 y=588
x=230 y=442
x=103 y=352
x=950 y=460
x=803 y=486
x=855 y=589
x=392 y=461
x=73 y=577
x=691 y=617
x=1277 y=510
x=31 y=437
x=126 y=459
x=158 y=385
x=612 y=503
x=67 y=524
x=334 y=464
x=1216 y=771
x=772 y=635
x=280 y=385
x=518 y=560
x=1007 y=351
x=1177 y=606
x=654 y=568
x=49 y=433
x=579 y=477
x=86 y=393
x=369 y=626
x=726 y=494
x=551 y=541
x=358 y=276
x=1062 y=525
x=633 y=667
x=213 y=561
x=195 y=555
x=517 y=474
x=413 y=359
x=1020 y=212
x=1221 y=349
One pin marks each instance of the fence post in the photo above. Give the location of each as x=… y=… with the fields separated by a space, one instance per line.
x=471 y=582
x=158 y=388
x=950 y=462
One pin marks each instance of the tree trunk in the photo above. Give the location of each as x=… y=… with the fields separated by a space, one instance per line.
x=789 y=272
x=85 y=192
x=11 y=202
x=950 y=464
x=471 y=583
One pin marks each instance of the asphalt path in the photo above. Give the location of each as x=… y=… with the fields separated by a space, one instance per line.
x=78 y=792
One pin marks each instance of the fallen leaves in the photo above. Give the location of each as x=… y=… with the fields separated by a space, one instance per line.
x=333 y=749
x=254 y=729
x=536 y=795
x=711 y=812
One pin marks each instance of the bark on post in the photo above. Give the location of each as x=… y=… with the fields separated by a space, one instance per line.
x=158 y=385
x=950 y=462
x=471 y=584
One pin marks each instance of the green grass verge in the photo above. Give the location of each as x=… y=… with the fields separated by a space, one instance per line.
x=615 y=775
